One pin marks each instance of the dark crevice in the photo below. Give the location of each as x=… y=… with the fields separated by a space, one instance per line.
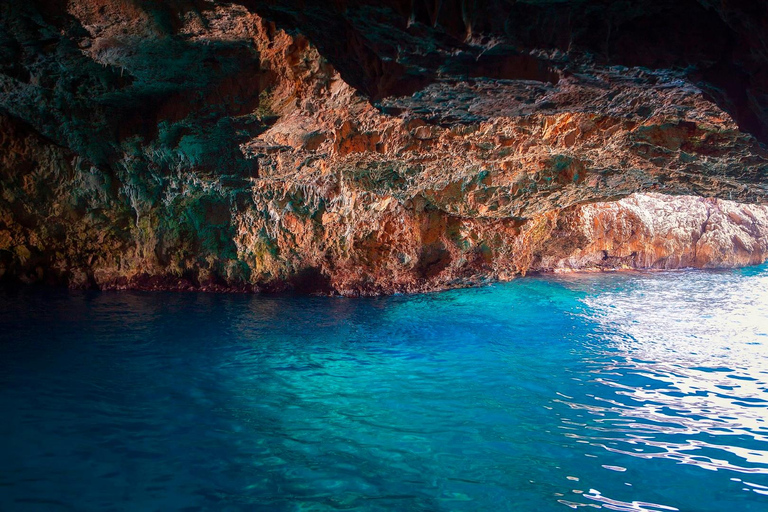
x=311 y=281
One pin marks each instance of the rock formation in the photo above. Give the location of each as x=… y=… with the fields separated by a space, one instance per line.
x=654 y=231
x=376 y=147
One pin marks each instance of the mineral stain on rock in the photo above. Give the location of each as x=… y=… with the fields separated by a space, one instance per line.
x=371 y=147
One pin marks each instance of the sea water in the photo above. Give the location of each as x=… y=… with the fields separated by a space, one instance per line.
x=619 y=391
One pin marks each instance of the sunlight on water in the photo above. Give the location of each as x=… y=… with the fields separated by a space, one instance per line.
x=685 y=374
x=703 y=342
x=630 y=392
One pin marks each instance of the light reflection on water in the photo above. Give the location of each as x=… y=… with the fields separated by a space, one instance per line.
x=695 y=353
x=625 y=392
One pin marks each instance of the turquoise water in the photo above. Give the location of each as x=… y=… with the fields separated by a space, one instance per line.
x=614 y=391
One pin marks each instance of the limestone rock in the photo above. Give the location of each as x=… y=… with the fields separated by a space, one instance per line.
x=365 y=147
x=653 y=231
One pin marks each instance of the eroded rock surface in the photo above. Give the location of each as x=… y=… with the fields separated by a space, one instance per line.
x=653 y=231
x=197 y=145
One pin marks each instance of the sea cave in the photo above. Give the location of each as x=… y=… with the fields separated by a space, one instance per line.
x=413 y=255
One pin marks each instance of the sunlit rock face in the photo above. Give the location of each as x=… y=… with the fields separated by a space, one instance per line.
x=374 y=147
x=653 y=231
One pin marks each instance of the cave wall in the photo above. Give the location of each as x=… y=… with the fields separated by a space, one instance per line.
x=366 y=147
x=387 y=48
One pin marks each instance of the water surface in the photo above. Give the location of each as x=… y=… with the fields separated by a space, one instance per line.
x=617 y=391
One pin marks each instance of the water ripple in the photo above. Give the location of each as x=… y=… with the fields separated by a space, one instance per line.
x=630 y=392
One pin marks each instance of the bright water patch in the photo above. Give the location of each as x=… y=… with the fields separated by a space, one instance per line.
x=613 y=391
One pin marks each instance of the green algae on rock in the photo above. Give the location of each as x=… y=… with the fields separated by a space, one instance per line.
x=199 y=146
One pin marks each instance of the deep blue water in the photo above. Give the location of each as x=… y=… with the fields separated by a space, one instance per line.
x=615 y=391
